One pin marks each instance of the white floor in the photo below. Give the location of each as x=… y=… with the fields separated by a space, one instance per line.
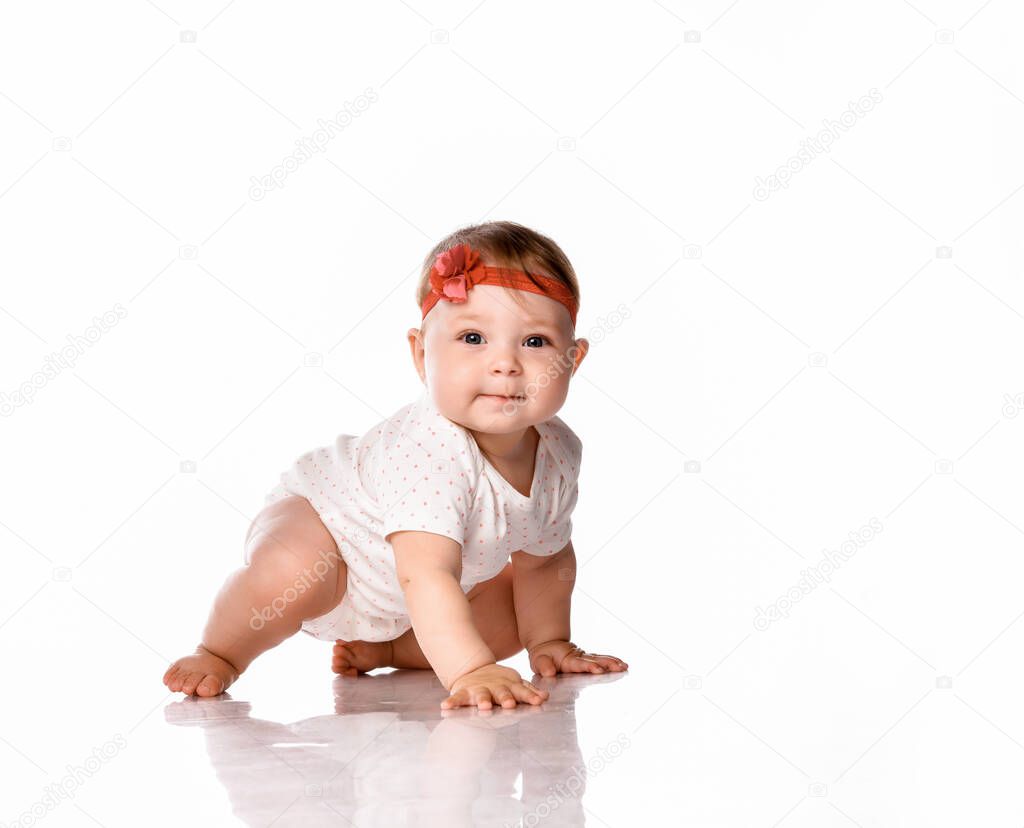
x=749 y=743
x=292 y=744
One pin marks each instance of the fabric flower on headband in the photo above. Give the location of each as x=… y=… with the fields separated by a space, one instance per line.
x=449 y=276
x=456 y=271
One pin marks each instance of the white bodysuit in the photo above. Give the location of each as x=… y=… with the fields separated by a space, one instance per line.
x=419 y=470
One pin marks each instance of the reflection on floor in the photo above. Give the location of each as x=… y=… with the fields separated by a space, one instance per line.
x=388 y=756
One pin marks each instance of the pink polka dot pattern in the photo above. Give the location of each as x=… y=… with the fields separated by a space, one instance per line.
x=419 y=471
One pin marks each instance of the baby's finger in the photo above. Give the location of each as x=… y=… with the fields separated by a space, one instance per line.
x=526 y=692
x=481 y=697
x=504 y=697
x=545 y=665
x=611 y=662
x=608 y=657
x=454 y=700
x=581 y=664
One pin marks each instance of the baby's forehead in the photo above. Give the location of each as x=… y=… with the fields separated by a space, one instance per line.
x=499 y=304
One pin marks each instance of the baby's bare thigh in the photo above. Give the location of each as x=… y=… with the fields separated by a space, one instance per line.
x=288 y=536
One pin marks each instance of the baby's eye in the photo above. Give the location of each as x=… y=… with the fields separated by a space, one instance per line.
x=541 y=341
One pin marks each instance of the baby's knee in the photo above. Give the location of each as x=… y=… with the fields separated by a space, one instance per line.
x=289 y=533
x=296 y=582
x=291 y=528
x=272 y=564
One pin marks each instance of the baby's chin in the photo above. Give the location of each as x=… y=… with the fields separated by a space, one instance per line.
x=496 y=416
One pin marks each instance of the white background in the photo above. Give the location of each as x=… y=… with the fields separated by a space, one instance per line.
x=848 y=348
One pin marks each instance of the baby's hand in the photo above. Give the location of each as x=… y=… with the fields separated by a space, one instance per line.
x=565 y=657
x=492 y=681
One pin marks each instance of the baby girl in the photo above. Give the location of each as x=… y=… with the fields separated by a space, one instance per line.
x=440 y=539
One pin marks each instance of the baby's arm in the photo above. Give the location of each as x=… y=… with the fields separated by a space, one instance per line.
x=541 y=592
x=429 y=568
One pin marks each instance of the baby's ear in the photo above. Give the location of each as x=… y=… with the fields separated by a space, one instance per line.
x=415 y=337
x=579 y=350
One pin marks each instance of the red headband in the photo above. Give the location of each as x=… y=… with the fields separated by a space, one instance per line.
x=457 y=270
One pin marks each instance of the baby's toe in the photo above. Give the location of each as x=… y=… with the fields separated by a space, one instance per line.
x=210 y=686
x=191 y=680
x=343 y=667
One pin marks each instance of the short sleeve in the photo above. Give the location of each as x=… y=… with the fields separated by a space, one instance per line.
x=434 y=496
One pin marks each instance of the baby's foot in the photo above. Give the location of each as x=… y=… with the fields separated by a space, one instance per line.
x=354 y=657
x=201 y=673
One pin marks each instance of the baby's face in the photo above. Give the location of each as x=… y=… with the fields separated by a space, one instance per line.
x=473 y=353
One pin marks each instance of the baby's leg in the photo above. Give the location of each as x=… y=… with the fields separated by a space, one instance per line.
x=265 y=602
x=494 y=615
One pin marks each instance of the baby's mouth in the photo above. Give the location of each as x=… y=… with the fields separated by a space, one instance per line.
x=505 y=397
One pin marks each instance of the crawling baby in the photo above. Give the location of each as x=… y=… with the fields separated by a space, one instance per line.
x=440 y=539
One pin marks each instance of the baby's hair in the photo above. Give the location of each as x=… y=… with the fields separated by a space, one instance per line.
x=510 y=245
